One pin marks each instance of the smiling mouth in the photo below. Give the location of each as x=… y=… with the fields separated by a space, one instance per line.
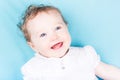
x=57 y=46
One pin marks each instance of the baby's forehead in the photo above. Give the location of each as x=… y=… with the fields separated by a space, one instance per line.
x=51 y=12
x=46 y=15
x=45 y=19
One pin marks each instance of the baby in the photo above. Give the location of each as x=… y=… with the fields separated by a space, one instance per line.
x=46 y=32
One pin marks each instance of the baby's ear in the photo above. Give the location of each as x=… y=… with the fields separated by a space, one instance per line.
x=32 y=46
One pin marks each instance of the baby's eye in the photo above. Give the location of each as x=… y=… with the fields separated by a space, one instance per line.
x=43 y=35
x=58 y=28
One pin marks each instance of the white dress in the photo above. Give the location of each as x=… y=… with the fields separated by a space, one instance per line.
x=78 y=64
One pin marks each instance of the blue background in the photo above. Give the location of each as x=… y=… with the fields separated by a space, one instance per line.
x=91 y=22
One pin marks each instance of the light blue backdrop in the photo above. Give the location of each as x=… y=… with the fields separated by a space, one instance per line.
x=91 y=22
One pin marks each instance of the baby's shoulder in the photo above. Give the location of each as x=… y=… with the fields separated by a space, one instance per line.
x=76 y=51
x=78 y=48
x=84 y=50
x=81 y=48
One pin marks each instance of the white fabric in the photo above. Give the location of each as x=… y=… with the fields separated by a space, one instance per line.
x=77 y=64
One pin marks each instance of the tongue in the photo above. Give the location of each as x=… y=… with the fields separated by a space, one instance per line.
x=57 y=46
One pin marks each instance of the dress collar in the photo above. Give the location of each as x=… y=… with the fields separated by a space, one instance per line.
x=52 y=58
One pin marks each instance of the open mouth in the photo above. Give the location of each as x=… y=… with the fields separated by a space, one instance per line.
x=57 y=46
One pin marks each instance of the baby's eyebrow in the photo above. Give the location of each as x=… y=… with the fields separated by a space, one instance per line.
x=38 y=32
x=59 y=23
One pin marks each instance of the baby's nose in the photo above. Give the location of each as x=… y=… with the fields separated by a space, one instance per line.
x=54 y=36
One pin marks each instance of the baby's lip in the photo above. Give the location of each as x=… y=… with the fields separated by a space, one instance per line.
x=57 y=46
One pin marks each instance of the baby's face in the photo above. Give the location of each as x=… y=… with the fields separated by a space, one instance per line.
x=49 y=34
